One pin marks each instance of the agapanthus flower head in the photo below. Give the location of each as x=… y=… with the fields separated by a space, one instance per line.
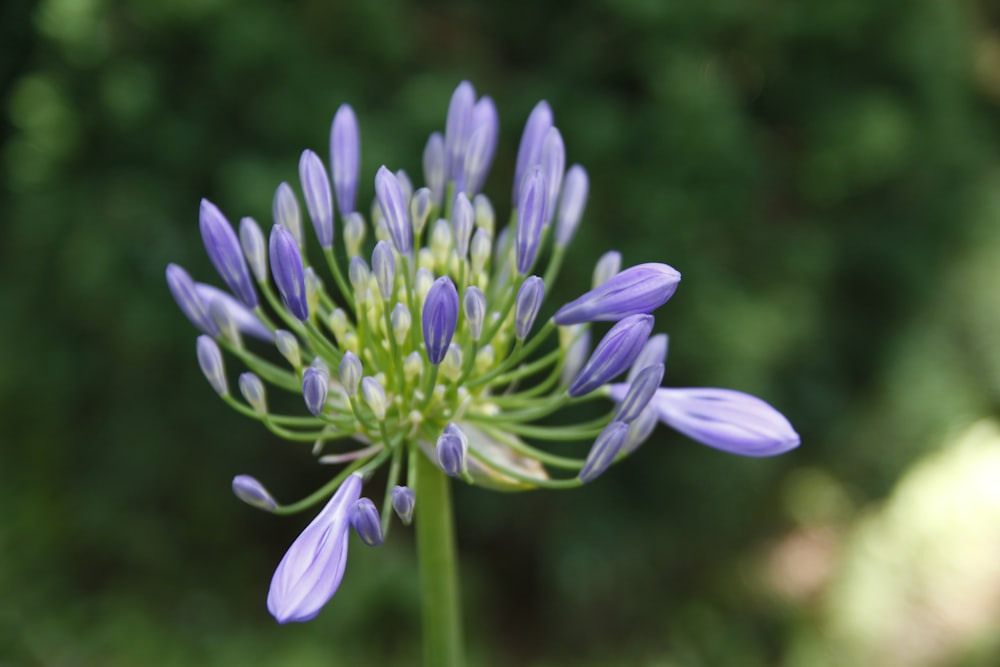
x=444 y=346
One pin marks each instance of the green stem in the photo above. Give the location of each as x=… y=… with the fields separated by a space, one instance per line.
x=438 y=565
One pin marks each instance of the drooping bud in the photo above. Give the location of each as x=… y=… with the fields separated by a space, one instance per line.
x=615 y=353
x=451 y=449
x=529 y=301
x=350 y=373
x=393 y=205
x=319 y=199
x=345 y=157
x=474 y=305
x=404 y=501
x=210 y=361
x=653 y=352
x=604 y=450
x=315 y=384
x=286 y=267
x=354 y=233
x=366 y=522
x=529 y=152
x=607 y=267
x=462 y=224
x=637 y=289
x=553 y=166
x=252 y=389
x=635 y=396
x=189 y=301
x=530 y=217
x=374 y=396
x=253 y=493
x=254 y=247
x=285 y=209
x=440 y=316
x=384 y=266
x=435 y=169
x=223 y=248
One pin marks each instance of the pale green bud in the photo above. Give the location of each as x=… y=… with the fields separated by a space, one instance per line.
x=252 y=389
x=485 y=218
x=374 y=396
x=485 y=359
x=451 y=367
x=480 y=250
x=401 y=322
x=288 y=346
x=338 y=324
x=354 y=233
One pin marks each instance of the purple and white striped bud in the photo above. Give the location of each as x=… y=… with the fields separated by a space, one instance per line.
x=553 y=167
x=253 y=493
x=529 y=152
x=729 y=420
x=604 y=450
x=313 y=567
x=374 y=395
x=285 y=209
x=393 y=205
x=457 y=130
x=653 y=352
x=288 y=346
x=350 y=373
x=354 y=233
x=319 y=199
x=574 y=199
x=366 y=522
x=614 y=354
x=345 y=157
x=607 y=267
x=452 y=447
x=384 y=268
x=577 y=344
x=527 y=305
x=474 y=305
x=404 y=501
x=189 y=301
x=530 y=218
x=462 y=223
x=637 y=289
x=315 y=385
x=440 y=316
x=254 y=247
x=401 y=321
x=210 y=361
x=635 y=396
x=420 y=209
x=481 y=146
x=223 y=248
x=435 y=168
x=252 y=388
x=221 y=305
x=286 y=267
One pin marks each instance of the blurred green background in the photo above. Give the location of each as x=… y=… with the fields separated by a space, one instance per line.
x=825 y=175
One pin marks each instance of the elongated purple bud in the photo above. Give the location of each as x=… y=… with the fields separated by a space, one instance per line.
x=481 y=146
x=653 y=352
x=604 y=450
x=189 y=301
x=451 y=449
x=474 y=305
x=529 y=152
x=404 y=501
x=607 y=267
x=253 y=493
x=529 y=301
x=223 y=248
x=553 y=167
x=210 y=361
x=530 y=217
x=254 y=247
x=366 y=522
x=313 y=567
x=350 y=373
x=574 y=199
x=435 y=170
x=315 y=384
x=638 y=393
x=615 y=353
x=457 y=130
x=285 y=209
x=641 y=428
x=319 y=199
x=345 y=157
x=384 y=269
x=462 y=222
x=286 y=267
x=393 y=205
x=241 y=316
x=729 y=420
x=638 y=289
x=440 y=316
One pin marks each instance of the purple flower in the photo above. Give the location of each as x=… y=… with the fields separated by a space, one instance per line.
x=189 y=300
x=253 y=493
x=315 y=384
x=345 y=157
x=452 y=447
x=527 y=305
x=319 y=199
x=404 y=501
x=616 y=352
x=312 y=568
x=530 y=220
x=440 y=317
x=389 y=193
x=637 y=289
x=571 y=205
x=729 y=420
x=366 y=522
x=604 y=450
x=286 y=266
x=529 y=152
x=223 y=248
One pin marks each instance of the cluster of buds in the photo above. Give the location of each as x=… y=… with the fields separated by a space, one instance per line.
x=429 y=345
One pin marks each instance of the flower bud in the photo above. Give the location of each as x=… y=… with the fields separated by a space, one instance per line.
x=401 y=322
x=479 y=253
x=189 y=301
x=350 y=373
x=462 y=224
x=615 y=353
x=441 y=243
x=553 y=164
x=637 y=289
x=393 y=204
x=358 y=273
x=354 y=233
x=404 y=501
x=384 y=268
x=254 y=247
x=530 y=218
x=315 y=384
x=474 y=304
x=435 y=171
x=345 y=157
x=319 y=198
x=420 y=209
x=366 y=522
x=252 y=389
x=641 y=428
x=338 y=325
x=607 y=267
x=458 y=128
x=223 y=305
x=529 y=152
x=603 y=452
x=529 y=301
x=481 y=145
x=571 y=205
x=576 y=340
x=451 y=367
x=451 y=449
x=485 y=359
x=440 y=316
x=653 y=352
x=288 y=346
x=285 y=209
x=286 y=267
x=223 y=248
x=485 y=217
x=374 y=396
x=638 y=393
x=253 y=493
x=210 y=361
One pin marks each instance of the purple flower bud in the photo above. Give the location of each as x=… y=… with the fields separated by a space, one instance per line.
x=530 y=218
x=312 y=568
x=641 y=428
x=350 y=372
x=607 y=267
x=241 y=316
x=345 y=157
x=391 y=201
x=210 y=361
x=190 y=302
x=384 y=268
x=457 y=129
x=254 y=247
x=404 y=501
x=440 y=316
x=571 y=205
x=553 y=167
x=604 y=450
x=481 y=146
x=286 y=266
x=529 y=301
x=729 y=420
x=315 y=384
x=462 y=221
x=653 y=352
x=366 y=522
x=253 y=493
x=319 y=199
x=529 y=152
x=224 y=250
x=474 y=304
x=285 y=209
x=451 y=449
x=435 y=170
x=637 y=289
x=616 y=352
x=637 y=393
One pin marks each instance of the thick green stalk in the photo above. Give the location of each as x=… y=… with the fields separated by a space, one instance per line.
x=442 y=619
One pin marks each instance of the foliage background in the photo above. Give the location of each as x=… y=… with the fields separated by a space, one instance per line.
x=824 y=175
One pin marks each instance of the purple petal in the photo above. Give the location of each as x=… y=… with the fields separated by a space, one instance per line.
x=637 y=289
x=366 y=522
x=553 y=166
